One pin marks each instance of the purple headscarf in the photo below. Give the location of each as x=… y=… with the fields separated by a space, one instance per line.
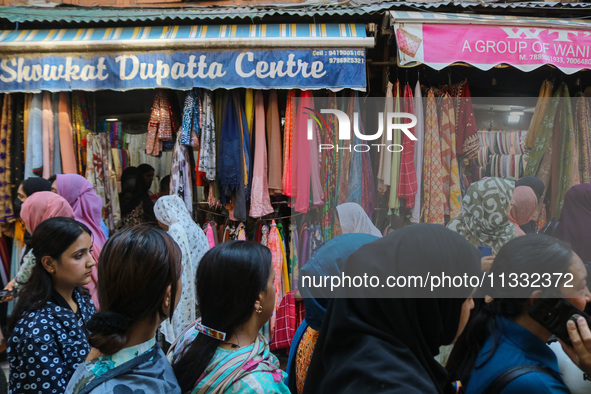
x=87 y=205
x=575 y=220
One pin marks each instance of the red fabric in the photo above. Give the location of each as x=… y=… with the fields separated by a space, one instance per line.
x=300 y=313
x=285 y=323
x=407 y=185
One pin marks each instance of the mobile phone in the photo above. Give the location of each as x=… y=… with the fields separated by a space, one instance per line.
x=554 y=313
x=485 y=251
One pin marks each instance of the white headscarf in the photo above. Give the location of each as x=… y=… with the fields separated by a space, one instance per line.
x=171 y=211
x=354 y=220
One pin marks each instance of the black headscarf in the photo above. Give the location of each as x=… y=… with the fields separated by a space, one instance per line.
x=30 y=186
x=142 y=169
x=388 y=345
x=538 y=187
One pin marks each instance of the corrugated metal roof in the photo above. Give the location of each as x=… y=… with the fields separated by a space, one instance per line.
x=189 y=13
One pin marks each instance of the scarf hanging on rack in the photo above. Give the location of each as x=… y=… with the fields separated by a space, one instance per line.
x=190 y=126
x=330 y=170
x=34 y=155
x=180 y=174
x=274 y=244
x=66 y=139
x=207 y=157
x=80 y=126
x=466 y=137
x=260 y=202
x=407 y=187
x=243 y=192
x=293 y=256
x=385 y=156
x=344 y=167
x=418 y=154
x=583 y=130
x=159 y=125
x=540 y=110
x=6 y=125
x=17 y=147
x=288 y=142
x=249 y=107
x=316 y=183
x=301 y=168
x=368 y=192
x=57 y=157
x=228 y=171
x=47 y=135
x=356 y=166
x=274 y=140
x=394 y=201
x=445 y=133
x=433 y=187
x=564 y=162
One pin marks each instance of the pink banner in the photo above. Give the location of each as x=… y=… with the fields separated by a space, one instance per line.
x=486 y=46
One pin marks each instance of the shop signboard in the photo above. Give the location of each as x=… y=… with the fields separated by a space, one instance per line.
x=321 y=68
x=485 y=46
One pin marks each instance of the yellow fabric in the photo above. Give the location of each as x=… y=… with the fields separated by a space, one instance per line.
x=249 y=108
x=541 y=106
x=286 y=285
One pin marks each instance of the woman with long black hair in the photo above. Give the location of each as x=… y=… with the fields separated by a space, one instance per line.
x=48 y=334
x=501 y=335
x=223 y=351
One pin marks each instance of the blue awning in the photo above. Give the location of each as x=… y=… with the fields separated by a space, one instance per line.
x=266 y=56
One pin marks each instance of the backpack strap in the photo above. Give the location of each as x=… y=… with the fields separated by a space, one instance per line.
x=511 y=374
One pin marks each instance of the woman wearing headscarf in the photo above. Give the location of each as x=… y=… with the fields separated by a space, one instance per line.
x=136 y=206
x=35 y=210
x=537 y=185
x=87 y=207
x=381 y=344
x=327 y=261
x=575 y=220
x=484 y=218
x=351 y=218
x=27 y=188
x=173 y=216
x=522 y=208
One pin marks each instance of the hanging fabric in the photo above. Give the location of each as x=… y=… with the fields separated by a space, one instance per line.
x=207 y=157
x=466 y=137
x=34 y=153
x=407 y=188
x=81 y=129
x=260 y=202
x=66 y=141
x=583 y=131
x=540 y=110
x=301 y=169
x=289 y=143
x=180 y=175
x=274 y=245
x=330 y=168
x=17 y=143
x=385 y=165
x=564 y=160
x=315 y=179
x=418 y=154
x=6 y=125
x=190 y=126
x=433 y=187
x=47 y=135
x=394 y=201
x=273 y=125
x=57 y=156
x=159 y=125
x=243 y=191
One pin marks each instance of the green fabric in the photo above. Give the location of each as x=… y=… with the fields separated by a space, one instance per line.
x=566 y=150
x=543 y=136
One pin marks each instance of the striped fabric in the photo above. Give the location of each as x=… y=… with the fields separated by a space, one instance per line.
x=184 y=32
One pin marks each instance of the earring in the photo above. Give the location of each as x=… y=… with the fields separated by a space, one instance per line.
x=260 y=309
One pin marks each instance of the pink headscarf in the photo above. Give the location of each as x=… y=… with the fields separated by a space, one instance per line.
x=87 y=205
x=522 y=207
x=46 y=205
x=42 y=206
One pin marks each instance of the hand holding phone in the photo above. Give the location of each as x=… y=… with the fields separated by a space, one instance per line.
x=580 y=351
x=554 y=313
